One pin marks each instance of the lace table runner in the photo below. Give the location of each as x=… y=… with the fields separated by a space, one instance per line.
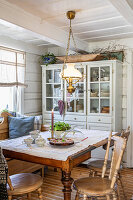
x=57 y=152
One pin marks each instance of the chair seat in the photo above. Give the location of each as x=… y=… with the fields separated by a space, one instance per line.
x=93 y=186
x=24 y=183
x=98 y=164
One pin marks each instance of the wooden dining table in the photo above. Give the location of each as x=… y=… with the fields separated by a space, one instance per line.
x=66 y=166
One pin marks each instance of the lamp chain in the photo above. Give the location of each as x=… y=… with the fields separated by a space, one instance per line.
x=68 y=45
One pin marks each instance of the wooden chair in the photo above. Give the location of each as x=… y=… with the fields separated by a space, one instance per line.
x=96 y=165
x=24 y=183
x=101 y=186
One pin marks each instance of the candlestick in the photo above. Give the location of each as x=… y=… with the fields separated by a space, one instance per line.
x=52 y=124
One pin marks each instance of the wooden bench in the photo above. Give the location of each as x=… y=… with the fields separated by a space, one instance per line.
x=16 y=166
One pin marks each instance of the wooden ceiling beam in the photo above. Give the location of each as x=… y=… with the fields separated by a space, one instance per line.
x=124 y=9
x=37 y=27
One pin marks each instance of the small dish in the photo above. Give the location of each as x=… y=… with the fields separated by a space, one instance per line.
x=34 y=134
x=40 y=141
x=28 y=141
x=106 y=78
x=94 y=94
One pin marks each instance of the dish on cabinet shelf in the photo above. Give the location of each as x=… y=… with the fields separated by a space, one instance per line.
x=105 y=109
x=93 y=79
x=94 y=110
x=106 y=78
x=104 y=94
x=50 y=80
x=94 y=94
x=80 y=111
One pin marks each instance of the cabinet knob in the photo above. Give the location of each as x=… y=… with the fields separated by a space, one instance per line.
x=99 y=120
x=75 y=118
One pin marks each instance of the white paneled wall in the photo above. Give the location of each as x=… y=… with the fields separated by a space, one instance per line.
x=33 y=93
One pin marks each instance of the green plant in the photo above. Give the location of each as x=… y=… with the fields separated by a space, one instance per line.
x=48 y=58
x=61 y=126
x=5 y=110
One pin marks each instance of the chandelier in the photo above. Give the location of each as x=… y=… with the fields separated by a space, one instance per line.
x=70 y=73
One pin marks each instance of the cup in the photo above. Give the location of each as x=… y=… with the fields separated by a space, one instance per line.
x=34 y=134
x=28 y=141
x=40 y=141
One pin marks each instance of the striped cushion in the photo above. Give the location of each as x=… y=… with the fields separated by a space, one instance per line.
x=37 y=121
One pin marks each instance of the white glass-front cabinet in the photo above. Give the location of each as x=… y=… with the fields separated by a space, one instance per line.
x=104 y=95
x=97 y=100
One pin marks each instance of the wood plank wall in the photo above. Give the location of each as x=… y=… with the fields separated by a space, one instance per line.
x=33 y=94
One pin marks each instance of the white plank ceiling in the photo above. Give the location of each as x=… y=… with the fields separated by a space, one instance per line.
x=95 y=20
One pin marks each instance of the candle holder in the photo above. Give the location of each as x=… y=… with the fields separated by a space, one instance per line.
x=52 y=134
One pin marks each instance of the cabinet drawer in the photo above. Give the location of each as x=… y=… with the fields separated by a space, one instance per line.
x=102 y=127
x=49 y=121
x=77 y=125
x=99 y=119
x=56 y=117
x=75 y=118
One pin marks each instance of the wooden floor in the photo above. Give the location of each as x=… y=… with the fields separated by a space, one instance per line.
x=52 y=186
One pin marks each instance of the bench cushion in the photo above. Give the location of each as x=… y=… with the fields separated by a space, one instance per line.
x=20 y=126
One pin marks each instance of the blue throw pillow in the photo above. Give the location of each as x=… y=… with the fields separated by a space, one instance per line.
x=20 y=126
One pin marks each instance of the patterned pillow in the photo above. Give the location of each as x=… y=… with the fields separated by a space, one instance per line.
x=20 y=126
x=37 y=121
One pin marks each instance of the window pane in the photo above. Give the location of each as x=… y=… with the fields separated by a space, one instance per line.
x=80 y=105
x=7 y=55
x=20 y=58
x=49 y=90
x=57 y=79
x=57 y=90
x=6 y=99
x=94 y=74
x=70 y=105
x=105 y=108
x=49 y=76
x=49 y=103
x=7 y=73
x=94 y=105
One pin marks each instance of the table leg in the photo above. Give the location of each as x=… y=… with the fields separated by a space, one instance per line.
x=67 y=182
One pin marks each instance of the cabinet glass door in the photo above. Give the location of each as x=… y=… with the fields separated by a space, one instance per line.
x=99 y=87
x=75 y=102
x=53 y=89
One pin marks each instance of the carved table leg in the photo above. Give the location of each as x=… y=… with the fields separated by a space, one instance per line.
x=67 y=182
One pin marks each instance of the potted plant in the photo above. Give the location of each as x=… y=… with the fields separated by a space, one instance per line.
x=48 y=58
x=60 y=127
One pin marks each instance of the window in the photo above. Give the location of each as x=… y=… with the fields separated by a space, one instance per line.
x=12 y=79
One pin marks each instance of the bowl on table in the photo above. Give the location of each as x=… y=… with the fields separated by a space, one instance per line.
x=40 y=141
x=34 y=134
x=57 y=134
x=28 y=141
